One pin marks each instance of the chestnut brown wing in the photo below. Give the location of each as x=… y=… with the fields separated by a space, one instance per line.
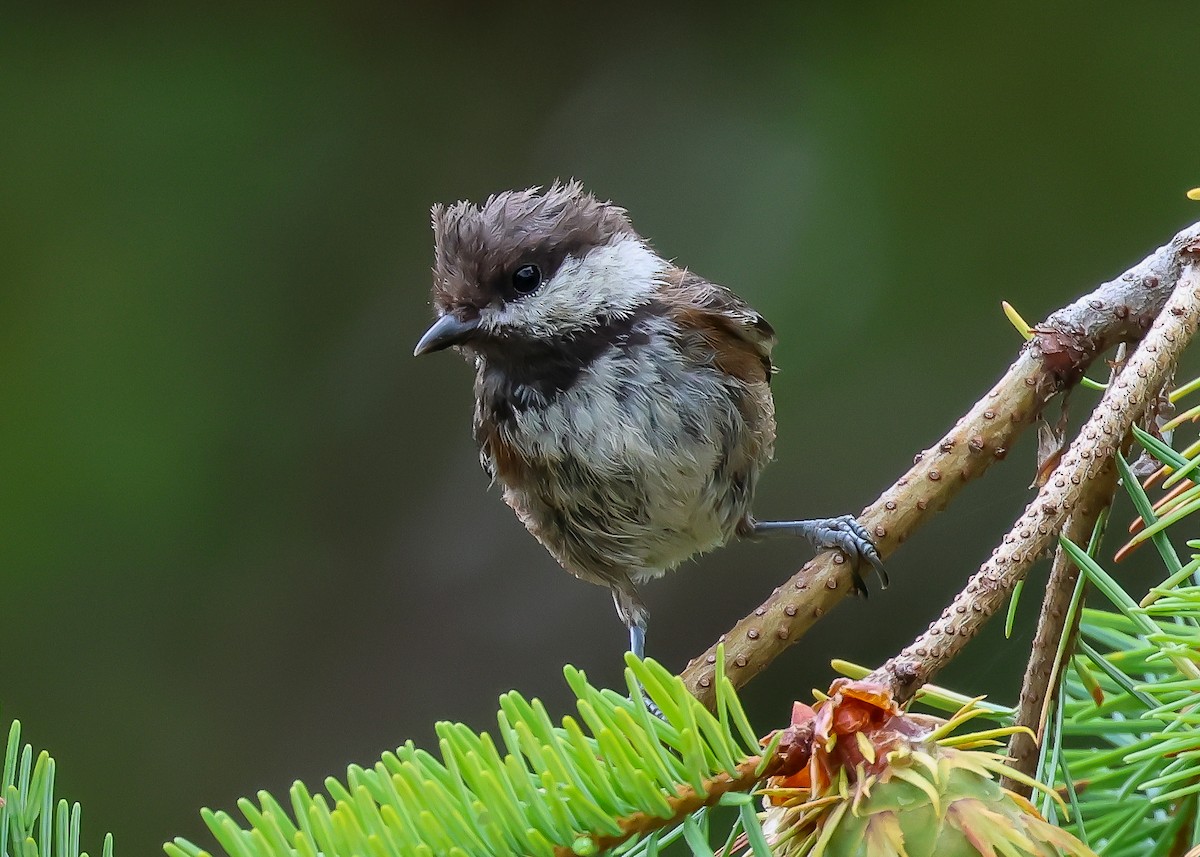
x=728 y=332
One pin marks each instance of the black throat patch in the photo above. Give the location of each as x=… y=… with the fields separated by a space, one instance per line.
x=518 y=373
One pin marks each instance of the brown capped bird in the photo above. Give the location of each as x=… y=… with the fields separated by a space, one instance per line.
x=622 y=403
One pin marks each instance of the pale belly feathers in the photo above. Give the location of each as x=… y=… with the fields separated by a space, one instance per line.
x=641 y=464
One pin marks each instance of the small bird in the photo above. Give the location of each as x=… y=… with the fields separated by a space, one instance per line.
x=623 y=403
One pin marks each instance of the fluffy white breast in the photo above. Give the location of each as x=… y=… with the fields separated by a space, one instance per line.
x=611 y=280
x=635 y=456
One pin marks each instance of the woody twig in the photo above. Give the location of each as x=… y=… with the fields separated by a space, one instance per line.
x=1045 y=666
x=1121 y=310
x=1036 y=531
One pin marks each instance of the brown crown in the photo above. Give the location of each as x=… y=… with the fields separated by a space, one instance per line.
x=477 y=247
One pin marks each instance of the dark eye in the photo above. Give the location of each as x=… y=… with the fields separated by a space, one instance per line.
x=526 y=278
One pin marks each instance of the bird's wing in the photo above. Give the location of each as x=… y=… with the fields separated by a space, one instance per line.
x=737 y=338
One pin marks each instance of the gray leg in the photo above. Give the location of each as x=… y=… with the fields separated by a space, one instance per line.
x=634 y=614
x=843 y=533
x=637 y=640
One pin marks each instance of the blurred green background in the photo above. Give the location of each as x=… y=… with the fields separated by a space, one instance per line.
x=243 y=534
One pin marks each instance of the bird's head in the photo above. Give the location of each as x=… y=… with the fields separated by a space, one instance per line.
x=534 y=266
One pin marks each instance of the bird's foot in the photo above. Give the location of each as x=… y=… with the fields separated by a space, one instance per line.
x=651 y=705
x=842 y=533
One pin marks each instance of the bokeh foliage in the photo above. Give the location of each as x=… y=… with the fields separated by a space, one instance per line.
x=257 y=526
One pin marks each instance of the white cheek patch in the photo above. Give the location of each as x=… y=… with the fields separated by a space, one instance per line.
x=611 y=280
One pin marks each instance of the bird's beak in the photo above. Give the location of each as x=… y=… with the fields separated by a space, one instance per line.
x=446 y=331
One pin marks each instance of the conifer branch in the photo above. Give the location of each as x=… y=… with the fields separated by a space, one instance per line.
x=1046 y=665
x=1120 y=310
x=688 y=799
x=1126 y=399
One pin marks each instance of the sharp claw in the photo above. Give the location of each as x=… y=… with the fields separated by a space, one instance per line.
x=852 y=539
x=880 y=571
x=843 y=533
x=858 y=584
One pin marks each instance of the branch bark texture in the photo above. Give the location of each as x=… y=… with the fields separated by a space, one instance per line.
x=1044 y=667
x=1120 y=310
x=1036 y=531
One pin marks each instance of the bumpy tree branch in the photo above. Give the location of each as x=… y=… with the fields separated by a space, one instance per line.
x=1044 y=666
x=1066 y=343
x=1035 y=532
